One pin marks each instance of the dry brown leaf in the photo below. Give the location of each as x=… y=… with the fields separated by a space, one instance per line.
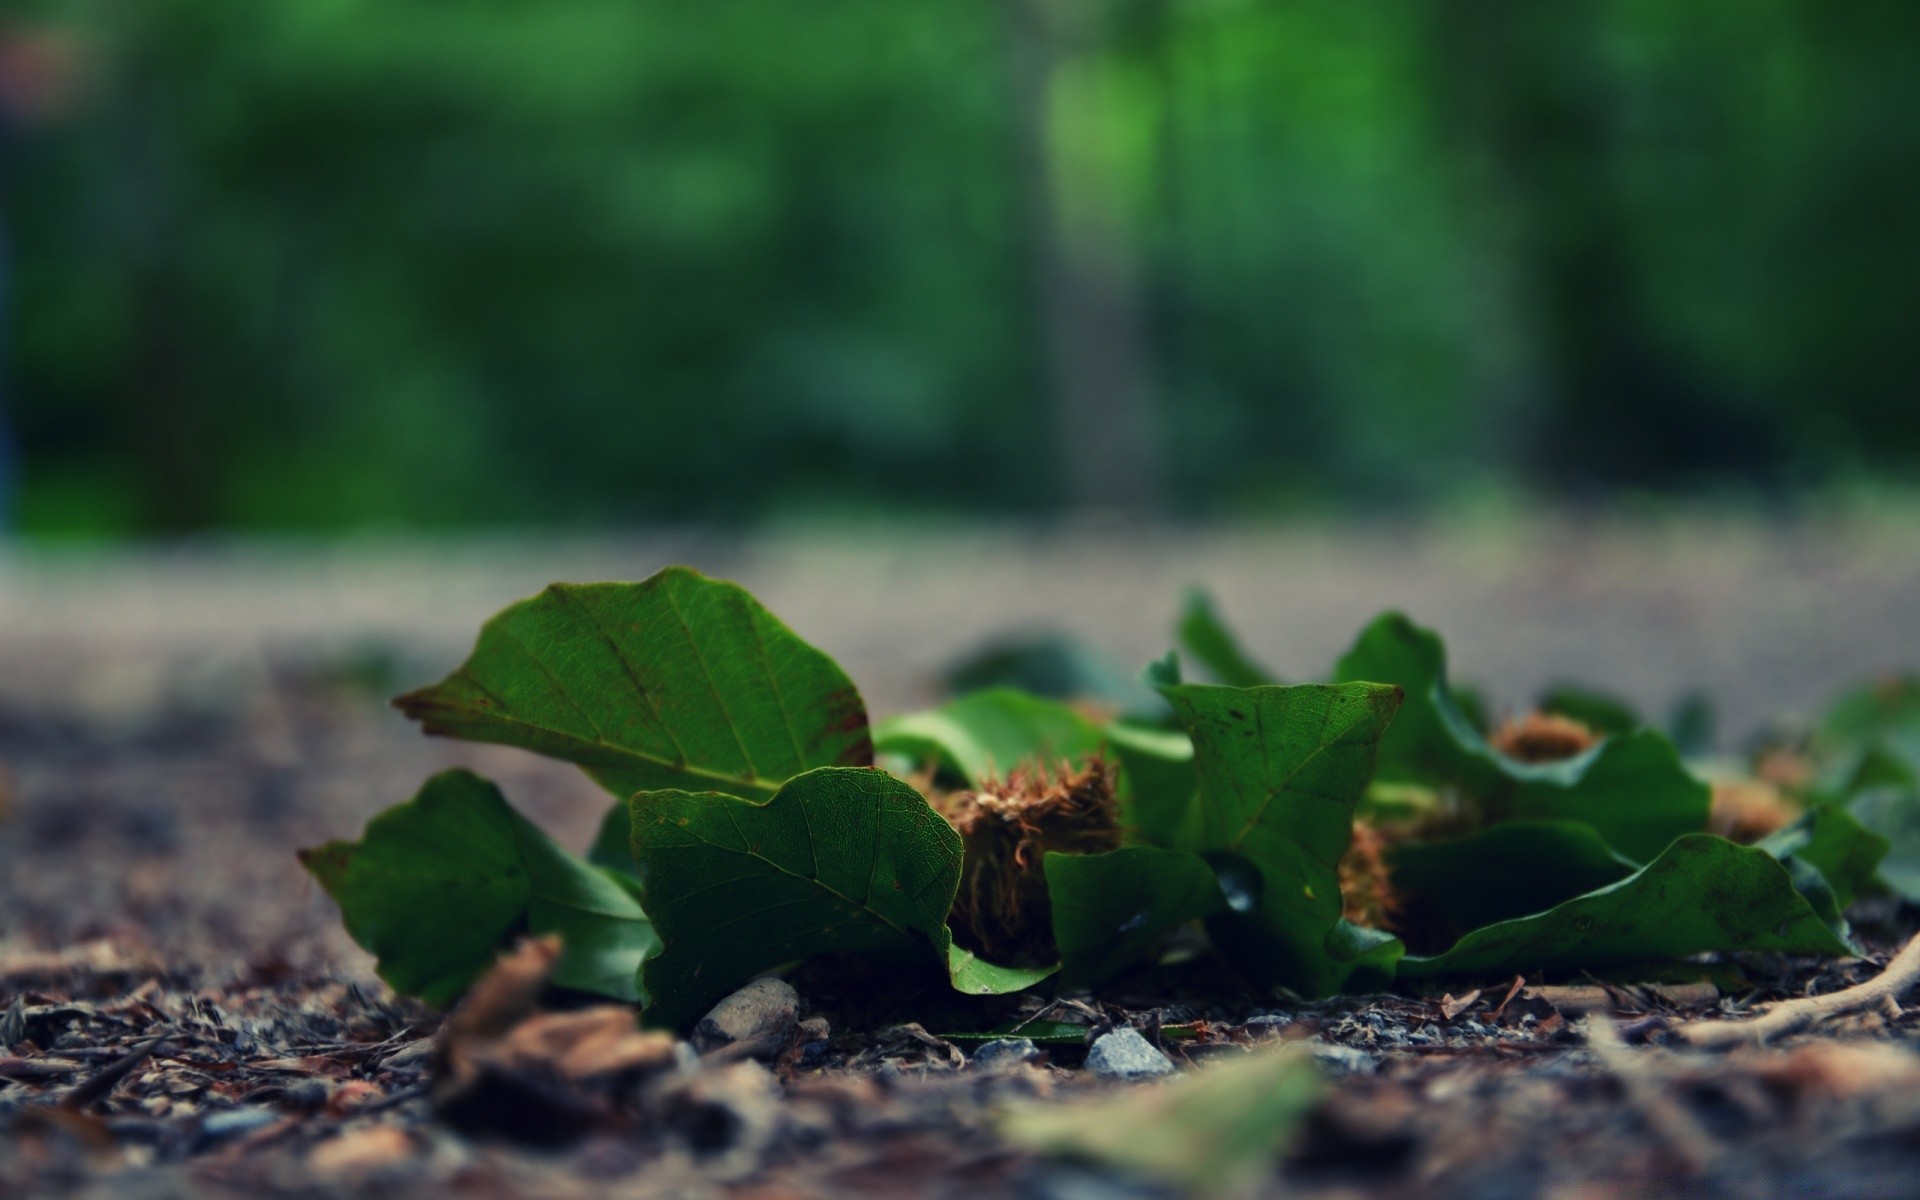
x=360 y=1152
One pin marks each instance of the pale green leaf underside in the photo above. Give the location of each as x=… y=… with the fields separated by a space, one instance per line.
x=984 y=735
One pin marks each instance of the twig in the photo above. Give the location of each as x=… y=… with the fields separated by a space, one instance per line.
x=96 y=1086
x=1664 y=1116
x=1789 y=1016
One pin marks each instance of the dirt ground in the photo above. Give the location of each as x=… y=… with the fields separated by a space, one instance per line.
x=175 y=723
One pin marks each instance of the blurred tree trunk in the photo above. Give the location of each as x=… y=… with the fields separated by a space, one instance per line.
x=1571 y=361
x=171 y=420
x=1086 y=271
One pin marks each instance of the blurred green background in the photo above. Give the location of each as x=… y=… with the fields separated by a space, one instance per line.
x=330 y=264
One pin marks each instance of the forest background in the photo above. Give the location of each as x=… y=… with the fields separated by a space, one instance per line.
x=342 y=264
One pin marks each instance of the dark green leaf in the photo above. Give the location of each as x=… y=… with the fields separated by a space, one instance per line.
x=1691 y=725
x=1633 y=788
x=1159 y=782
x=1702 y=894
x=1894 y=813
x=1431 y=740
x=1508 y=870
x=1280 y=772
x=1111 y=911
x=678 y=682
x=1835 y=843
x=437 y=886
x=1214 y=646
x=839 y=859
x=984 y=735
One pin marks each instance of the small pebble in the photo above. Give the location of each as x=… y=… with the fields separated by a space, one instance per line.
x=760 y=1017
x=1124 y=1054
x=233 y=1122
x=1005 y=1052
x=1343 y=1059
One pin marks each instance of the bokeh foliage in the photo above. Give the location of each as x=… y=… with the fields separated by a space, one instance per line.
x=318 y=263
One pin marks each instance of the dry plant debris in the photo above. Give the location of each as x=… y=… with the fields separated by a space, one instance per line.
x=179 y=1015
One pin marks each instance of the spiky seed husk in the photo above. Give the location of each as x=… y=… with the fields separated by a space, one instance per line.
x=1002 y=910
x=1541 y=737
x=1366 y=882
x=1747 y=810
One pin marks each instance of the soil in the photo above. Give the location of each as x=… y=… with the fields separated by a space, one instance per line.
x=181 y=1015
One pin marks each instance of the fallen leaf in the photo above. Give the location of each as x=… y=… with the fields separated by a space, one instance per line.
x=360 y=1152
x=1210 y=1131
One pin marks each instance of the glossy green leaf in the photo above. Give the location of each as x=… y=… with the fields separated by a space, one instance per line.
x=438 y=886
x=839 y=859
x=1217 y=1130
x=1632 y=788
x=984 y=735
x=677 y=682
x=1280 y=772
x=1111 y=911
x=1212 y=644
x=1702 y=894
x=1508 y=870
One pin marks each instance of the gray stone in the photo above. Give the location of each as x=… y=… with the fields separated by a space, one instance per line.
x=1124 y=1054
x=759 y=1019
x=1341 y=1060
x=1005 y=1052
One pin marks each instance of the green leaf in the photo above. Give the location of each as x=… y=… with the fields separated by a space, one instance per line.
x=1431 y=739
x=1214 y=646
x=1885 y=707
x=839 y=859
x=1894 y=813
x=1280 y=772
x=678 y=682
x=437 y=886
x=1043 y=1033
x=1111 y=911
x=1508 y=870
x=1835 y=843
x=1216 y=1130
x=975 y=976
x=1058 y=667
x=1596 y=710
x=1632 y=788
x=1159 y=779
x=984 y=735
x=1702 y=894
x=1691 y=725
